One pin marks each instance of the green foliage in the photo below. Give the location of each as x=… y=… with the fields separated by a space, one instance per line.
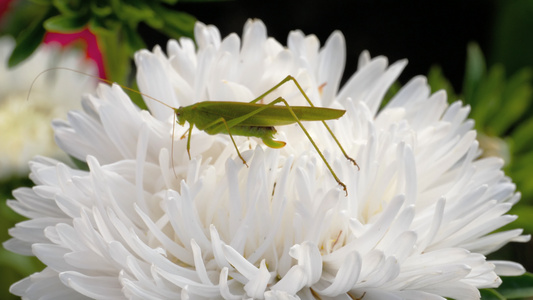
x=114 y=23
x=512 y=44
x=491 y=294
x=517 y=287
x=501 y=107
x=26 y=26
x=394 y=88
x=14 y=266
x=438 y=81
x=498 y=103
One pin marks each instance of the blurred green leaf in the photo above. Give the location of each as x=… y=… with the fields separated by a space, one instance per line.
x=512 y=42
x=27 y=42
x=486 y=98
x=81 y=165
x=516 y=99
x=438 y=81
x=517 y=286
x=520 y=171
x=101 y=26
x=475 y=68
x=40 y=2
x=525 y=213
x=491 y=294
x=177 y=24
x=522 y=137
x=65 y=24
x=501 y=108
x=100 y=10
x=134 y=41
x=14 y=266
x=393 y=90
x=114 y=22
x=132 y=15
x=71 y=8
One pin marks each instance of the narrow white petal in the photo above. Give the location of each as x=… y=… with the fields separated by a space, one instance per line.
x=508 y=268
x=101 y=287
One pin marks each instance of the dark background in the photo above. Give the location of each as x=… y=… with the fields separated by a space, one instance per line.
x=424 y=32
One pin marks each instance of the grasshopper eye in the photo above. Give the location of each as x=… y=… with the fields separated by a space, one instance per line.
x=181 y=118
x=178 y=110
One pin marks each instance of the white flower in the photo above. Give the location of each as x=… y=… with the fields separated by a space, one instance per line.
x=25 y=120
x=416 y=223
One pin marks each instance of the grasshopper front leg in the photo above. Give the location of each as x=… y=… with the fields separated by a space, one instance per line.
x=223 y=121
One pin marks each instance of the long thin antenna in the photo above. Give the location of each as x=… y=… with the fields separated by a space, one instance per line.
x=122 y=86
x=96 y=77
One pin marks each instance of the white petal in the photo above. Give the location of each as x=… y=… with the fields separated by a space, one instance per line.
x=99 y=287
x=508 y=268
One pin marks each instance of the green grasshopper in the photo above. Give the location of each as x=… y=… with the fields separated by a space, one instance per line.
x=258 y=120
x=249 y=119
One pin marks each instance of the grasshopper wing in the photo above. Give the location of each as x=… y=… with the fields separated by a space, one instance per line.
x=265 y=115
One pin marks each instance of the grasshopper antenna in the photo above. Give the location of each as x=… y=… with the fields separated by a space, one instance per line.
x=111 y=83
x=95 y=77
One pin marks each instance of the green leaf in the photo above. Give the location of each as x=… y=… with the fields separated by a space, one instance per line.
x=391 y=92
x=204 y=0
x=100 y=26
x=41 y=2
x=20 y=15
x=27 y=42
x=134 y=41
x=512 y=42
x=438 y=81
x=102 y=10
x=153 y=19
x=65 y=24
x=490 y=294
x=515 y=100
x=517 y=286
x=115 y=51
x=486 y=100
x=132 y=15
x=522 y=139
x=81 y=165
x=177 y=23
x=524 y=213
x=71 y=8
x=475 y=70
x=520 y=170
x=155 y=22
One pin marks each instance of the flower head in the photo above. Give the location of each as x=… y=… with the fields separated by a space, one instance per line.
x=25 y=119
x=416 y=223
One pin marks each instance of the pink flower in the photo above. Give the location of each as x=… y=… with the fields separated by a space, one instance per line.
x=86 y=38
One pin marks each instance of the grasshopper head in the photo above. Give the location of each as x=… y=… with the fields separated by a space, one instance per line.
x=180 y=114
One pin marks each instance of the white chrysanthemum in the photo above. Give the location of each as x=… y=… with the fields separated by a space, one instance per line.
x=416 y=223
x=25 y=125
